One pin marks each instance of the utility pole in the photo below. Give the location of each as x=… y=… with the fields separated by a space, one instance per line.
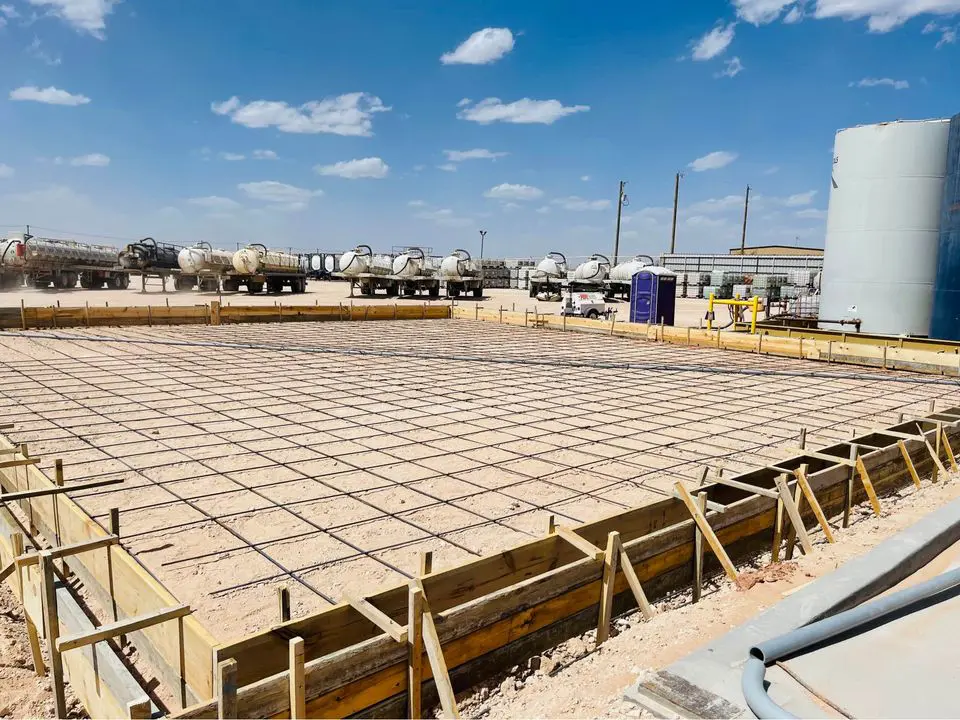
x=746 y=207
x=621 y=201
x=483 y=234
x=676 y=202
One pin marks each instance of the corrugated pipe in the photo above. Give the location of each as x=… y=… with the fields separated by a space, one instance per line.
x=850 y=622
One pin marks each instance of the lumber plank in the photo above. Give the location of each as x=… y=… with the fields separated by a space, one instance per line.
x=122 y=627
x=801 y=474
x=698 y=549
x=377 y=617
x=438 y=665
x=707 y=531
x=791 y=533
x=634 y=583
x=777 y=532
x=948 y=450
x=610 y=560
x=415 y=653
x=794 y=513
x=58 y=489
x=298 y=701
x=868 y=485
x=227 y=690
x=7 y=571
x=584 y=546
x=730 y=482
x=19 y=462
x=821 y=456
x=52 y=623
x=909 y=463
x=58 y=553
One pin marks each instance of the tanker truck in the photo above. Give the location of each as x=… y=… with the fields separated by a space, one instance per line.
x=367 y=271
x=256 y=266
x=415 y=274
x=149 y=258
x=550 y=274
x=590 y=275
x=203 y=266
x=621 y=276
x=62 y=262
x=461 y=274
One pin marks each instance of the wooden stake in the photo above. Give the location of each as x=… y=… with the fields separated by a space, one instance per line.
x=708 y=533
x=226 y=689
x=938 y=466
x=551 y=525
x=39 y=667
x=426 y=563
x=414 y=651
x=848 y=499
x=909 y=463
x=377 y=617
x=803 y=438
x=634 y=582
x=868 y=486
x=298 y=699
x=698 y=549
x=587 y=548
x=794 y=512
x=948 y=449
x=777 y=532
x=52 y=621
x=139 y=709
x=791 y=532
x=283 y=600
x=114 y=530
x=802 y=482
x=610 y=559
x=438 y=665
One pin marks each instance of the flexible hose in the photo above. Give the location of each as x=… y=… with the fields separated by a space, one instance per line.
x=854 y=621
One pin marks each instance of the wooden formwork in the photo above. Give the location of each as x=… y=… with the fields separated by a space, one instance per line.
x=882 y=354
x=214 y=313
x=456 y=627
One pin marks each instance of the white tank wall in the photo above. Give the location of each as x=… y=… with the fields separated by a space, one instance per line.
x=883 y=225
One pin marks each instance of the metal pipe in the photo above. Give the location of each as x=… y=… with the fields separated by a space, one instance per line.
x=803 y=639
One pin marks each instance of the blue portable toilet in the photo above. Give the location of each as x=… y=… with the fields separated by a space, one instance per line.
x=653 y=296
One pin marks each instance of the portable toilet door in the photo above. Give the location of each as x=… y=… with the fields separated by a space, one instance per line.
x=653 y=296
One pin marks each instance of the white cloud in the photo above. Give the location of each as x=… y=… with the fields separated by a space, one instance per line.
x=447 y=167
x=794 y=16
x=91 y=160
x=703 y=221
x=716 y=205
x=350 y=114
x=585 y=178
x=714 y=42
x=544 y=210
x=445 y=217
x=713 y=161
x=772 y=170
x=419 y=168
x=577 y=203
x=800 y=199
x=811 y=214
x=506 y=191
x=35 y=50
x=884 y=15
x=522 y=111
x=215 y=203
x=948 y=34
x=50 y=96
x=879 y=82
x=760 y=12
x=475 y=154
x=264 y=155
x=417 y=203
x=464 y=102
x=9 y=11
x=732 y=68
x=85 y=16
x=5 y=171
x=483 y=47
x=510 y=207
x=371 y=167
x=278 y=193
x=232 y=156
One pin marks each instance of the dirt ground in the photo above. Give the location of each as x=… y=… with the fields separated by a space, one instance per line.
x=690 y=311
x=327 y=457
x=576 y=680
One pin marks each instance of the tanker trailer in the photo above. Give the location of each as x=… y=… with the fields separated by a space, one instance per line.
x=368 y=271
x=621 y=276
x=202 y=265
x=10 y=275
x=550 y=274
x=256 y=266
x=591 y=275
x=461 y=274
x=63 y=262
x=415 y=274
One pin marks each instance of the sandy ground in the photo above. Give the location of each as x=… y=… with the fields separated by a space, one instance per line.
x=689 y=311
x=577 y=680
x=298 y=461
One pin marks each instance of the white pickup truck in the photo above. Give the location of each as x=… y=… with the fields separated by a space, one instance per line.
x=584 y=304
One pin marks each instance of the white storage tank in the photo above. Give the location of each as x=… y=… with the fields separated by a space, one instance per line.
x=256 y=258
x=883 y=224
x=204 y=258
x=594 y=270
x=361 y=261
x=411 y=263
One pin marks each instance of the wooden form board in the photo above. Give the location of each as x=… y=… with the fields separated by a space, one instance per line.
x=53 y=317
x=97 y=675
x=880 y=354
x=484 y=607
x=136 y=592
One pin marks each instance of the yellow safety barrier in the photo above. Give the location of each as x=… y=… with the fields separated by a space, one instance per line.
x=753 y=303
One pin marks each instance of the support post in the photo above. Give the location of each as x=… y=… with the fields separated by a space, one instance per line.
x=634 y=582
x=698 y=549
x=114 y=530
x=802 y=482
x=414 y=651
x=610 y=559
x=298 y=698
x=791 y=532
x=426 y=563
x=794 y=512
x=438 y=665
x=283 y=600
x=848 y=499
x=39 y=667
x=777 y=532
x=909 y=463
x=948 y=449
x=52 y=621
x=701 y=520
x=868 y=486
x=226 y=689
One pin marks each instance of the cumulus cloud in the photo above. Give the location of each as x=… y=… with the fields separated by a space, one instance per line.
x=713 y=206
x=585 y=178
x=233 y=157
x=445 y=217
x=760 y=12
x=350 y=114
x=50 y=96
x=577 y=203
x=884 y=15
x=800 y=199
x=447 y=167
x=881 y=82
x=482 y=48
x=506 y=191
x=278 y=193
x=714 y=43
x=732 y=68
x=264 y=155
x=713 y=161
x=215 y=203
x=811 y=214
x=5 y=171
x=91 y=160
x=84 y=16
x=371 y=167
x=524 y=111
x=475 y=154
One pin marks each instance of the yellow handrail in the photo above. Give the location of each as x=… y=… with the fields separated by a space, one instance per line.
x=753 y=303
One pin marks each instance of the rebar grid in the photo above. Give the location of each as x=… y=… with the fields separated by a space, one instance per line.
x=334 y=470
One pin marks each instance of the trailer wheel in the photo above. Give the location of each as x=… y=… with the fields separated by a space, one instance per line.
x=593 y=315
x=453 y=292
x=231 y=285
x=181 y=284
x=478 y=292
x=120 y=281
x=209 y=284
x=435 y=291
x=533 y=291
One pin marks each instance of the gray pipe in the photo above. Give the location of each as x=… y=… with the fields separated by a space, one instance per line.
x=807 y=637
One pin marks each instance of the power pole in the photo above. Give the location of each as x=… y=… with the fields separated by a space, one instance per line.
x=483 y=234
x=676 y=201
x=621 y=201
x=746 y=207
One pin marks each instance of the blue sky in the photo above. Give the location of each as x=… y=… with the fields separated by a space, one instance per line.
x=392 y=122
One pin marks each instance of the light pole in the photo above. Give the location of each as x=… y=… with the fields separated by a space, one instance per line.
x=483 y=234
x=676 y=202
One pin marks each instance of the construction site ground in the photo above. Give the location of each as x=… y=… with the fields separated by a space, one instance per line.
x=328 y=456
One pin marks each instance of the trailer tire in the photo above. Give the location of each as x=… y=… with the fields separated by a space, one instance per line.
x=478 y=292
x=435 y=291
x=120 y=281
x=593 y=315
x=453 y=292
x=254 y=288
